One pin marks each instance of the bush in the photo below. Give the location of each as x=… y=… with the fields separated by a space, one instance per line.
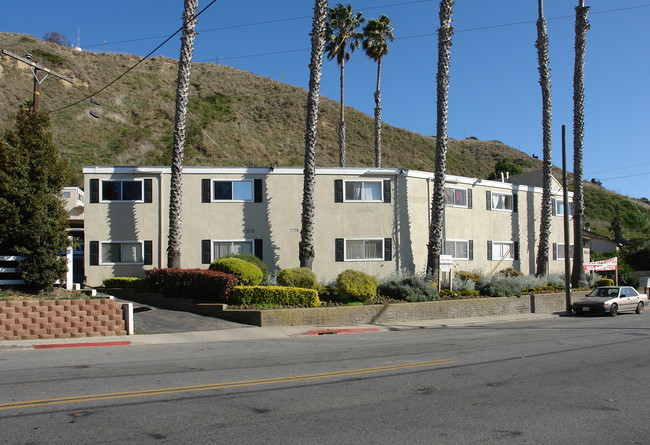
x=499 y=287
x=139 y=284
x=199 y=284
x=510 y=272
x=408 y=288
x=355 y=285
x=248 y=273
x=465 y=275
x=252 y=259
x=270 y=295
x=298 y=277
x=605 y=282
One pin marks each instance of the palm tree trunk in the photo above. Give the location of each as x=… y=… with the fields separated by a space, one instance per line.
x=445 y=32
x=378 y=118
x=545 y=82
x=342 y=123
x=182 y=93
x=578 y=277
x=306 y=246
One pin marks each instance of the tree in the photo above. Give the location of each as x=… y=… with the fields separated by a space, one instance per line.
x=306 y=246
x=340 y=36
x=33 y=222
x=59 y=39
x=445 y=32
x=578 y=277
x=505 y=165
x=182 y=93
x=545 y=82
x=377 y=33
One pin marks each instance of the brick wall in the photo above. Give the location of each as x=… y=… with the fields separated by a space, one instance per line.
x=33 y=319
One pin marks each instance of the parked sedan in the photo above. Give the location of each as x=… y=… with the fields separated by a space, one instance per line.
x=610 y=300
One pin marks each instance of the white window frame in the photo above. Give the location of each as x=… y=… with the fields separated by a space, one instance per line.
x=453 y=189
x=232 y=181
x=363 y=182
x=231 y=241
x=453 y=254
x=128 y=263
x=345 y=249
x=505 y=197
x=559 y=248
x=511 y=255
x=101 y=190
x=559 y=202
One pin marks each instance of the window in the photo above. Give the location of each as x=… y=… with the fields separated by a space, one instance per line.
x=232 y=190
x=558 y=251
x=66 y=195
x=363 y=191
x=501 y=201
x=457 y=197
x=121 y=252
x=121 y=191
x=223 y=248
x=364 y=249
x=558 y=207
x=501 y=250
x=458 y=249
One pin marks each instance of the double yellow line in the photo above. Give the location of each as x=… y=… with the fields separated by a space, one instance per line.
x=153 y=392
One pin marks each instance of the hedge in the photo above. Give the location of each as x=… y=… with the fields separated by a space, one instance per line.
x=248 y=273
x=139 y=284
x=251 y=259
x=198 y=284
x=356 y=286
x=298 y=277
x=268 y=295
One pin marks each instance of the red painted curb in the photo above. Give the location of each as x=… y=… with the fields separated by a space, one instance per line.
x=335 y=331
x=83 y=345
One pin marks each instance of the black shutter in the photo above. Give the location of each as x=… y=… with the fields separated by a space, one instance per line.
x=338 y=190
x=338 y=249
x=488 y=200
x=469 y=198
x=94 y=253
x=516 y=247
x=515 y=203
x=553 y=208
x=388 y=249
x=489 y=250
x=148 y=248
x=258 y=249
x=554 y=251
x=387 y=190
x=470 y=249
x=257 y=190
x=205 y=251
x=147 y=190
x=205 y=190
x=94 y=191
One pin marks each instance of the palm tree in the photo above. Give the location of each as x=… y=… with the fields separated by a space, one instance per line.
x=578 y=277
x=438 y=200
x=545 y=82
x=340 y=37
x=306 y=246
x=376 y=35
x=182 y=92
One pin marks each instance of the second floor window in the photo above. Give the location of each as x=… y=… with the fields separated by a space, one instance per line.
x=363 y=191
x=456 y=197
x=121 y=191
x=232 y=190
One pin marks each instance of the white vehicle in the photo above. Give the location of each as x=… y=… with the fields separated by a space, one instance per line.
x=611 y=300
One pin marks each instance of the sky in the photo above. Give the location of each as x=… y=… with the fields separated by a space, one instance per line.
x=494 y=89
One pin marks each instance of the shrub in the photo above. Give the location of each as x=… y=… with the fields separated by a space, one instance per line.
x=298 y=277
x=465 y=275
x=199 y=284
x=252 y=259
x=269 y=295
x=248 y=273
x=499 y=287
x=355 y=285
x=605 y=282
x=408 y=288
x=139 y=284
x=510 y=272
x=463 y=285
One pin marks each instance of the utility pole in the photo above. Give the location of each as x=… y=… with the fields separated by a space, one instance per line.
x=36 y=68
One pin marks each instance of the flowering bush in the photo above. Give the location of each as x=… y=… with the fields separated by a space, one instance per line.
x=200 y=284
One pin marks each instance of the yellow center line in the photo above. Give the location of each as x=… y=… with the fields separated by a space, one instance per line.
x=151 y=392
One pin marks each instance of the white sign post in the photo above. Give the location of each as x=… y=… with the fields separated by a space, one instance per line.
x=445 y=266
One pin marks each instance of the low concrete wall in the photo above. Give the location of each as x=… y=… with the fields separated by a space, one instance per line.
x=33 y=319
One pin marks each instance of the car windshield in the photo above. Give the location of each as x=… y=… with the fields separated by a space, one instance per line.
x=604 y=292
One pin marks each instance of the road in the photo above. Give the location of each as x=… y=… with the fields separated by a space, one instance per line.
x=561 y=380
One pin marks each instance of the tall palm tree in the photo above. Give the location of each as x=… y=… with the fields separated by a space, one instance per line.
x=445 y=32
x=545 y=82
x=377 y=33
x=578 y=277
x=306 y=246
x=341 y=40
x=182 y=92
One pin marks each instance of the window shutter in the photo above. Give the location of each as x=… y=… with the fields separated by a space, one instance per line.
x=94 y=253
x=258 y=249
x=205 y=251
x=554 y=251
x=387 y=190
x=488 y=200
x=388 y=249
x=338 y=249
x=553 y=208
x=469 y=198
x=516 y=248
x=148 y=248
x=94 y=191
x=257 y=190
x=338 y=191
x=470 y=249
x=515 y=203
x=489 y=250
x=147 y=191
x=205 y=190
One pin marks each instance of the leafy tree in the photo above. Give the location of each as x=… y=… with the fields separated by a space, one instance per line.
x=59 y=39
x=33 y=222
x=377 y=33
x=505 y=165
x=341 y=36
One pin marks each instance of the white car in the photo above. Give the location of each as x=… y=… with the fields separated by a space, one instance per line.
x=611 y=300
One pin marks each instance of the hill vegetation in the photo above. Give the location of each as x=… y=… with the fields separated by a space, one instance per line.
x=236 y=118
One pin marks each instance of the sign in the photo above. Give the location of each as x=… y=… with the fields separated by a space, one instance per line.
x=445 y=263
x=610 y=264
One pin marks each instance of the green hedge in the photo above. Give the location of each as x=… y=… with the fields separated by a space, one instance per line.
x=252 y=259
x=139 y=284
x=605 y=282
x=355 y=285
x=198 y=284
x=298 y=277
x=268 y=295
x=248 y=273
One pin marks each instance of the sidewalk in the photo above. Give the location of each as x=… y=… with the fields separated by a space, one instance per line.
x=260 y=333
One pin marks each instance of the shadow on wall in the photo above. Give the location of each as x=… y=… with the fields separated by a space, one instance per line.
x=403 y=251
x=257 y=226
x=532 y=226
x=516 y=231
x=124 y=238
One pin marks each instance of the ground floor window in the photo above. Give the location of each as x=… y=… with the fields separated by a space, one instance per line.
x=558 y=251
x=501 y=250
x=364 y=249
x=458 y=249
x=238 y=247
x=124 y=252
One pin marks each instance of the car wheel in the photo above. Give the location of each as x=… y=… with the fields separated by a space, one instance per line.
x=639 y=307
x=613 y=310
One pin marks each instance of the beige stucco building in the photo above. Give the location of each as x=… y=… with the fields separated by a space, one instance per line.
x=372 y=220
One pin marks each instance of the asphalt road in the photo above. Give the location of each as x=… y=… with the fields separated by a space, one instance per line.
x=563 y=380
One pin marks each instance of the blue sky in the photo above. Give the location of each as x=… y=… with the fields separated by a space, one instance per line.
x=494 y=90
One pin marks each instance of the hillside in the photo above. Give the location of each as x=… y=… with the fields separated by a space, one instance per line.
x=236 y=118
